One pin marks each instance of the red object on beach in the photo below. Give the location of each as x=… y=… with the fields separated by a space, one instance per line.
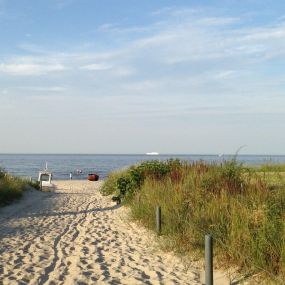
x=93 y=177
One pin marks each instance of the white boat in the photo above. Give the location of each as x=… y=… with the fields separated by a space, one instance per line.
x=45 y=179
x=152 y=153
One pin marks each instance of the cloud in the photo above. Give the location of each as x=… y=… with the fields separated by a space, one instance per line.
x=156 y=40
x=190 y=53
x=218 y=21
x=56 y=89
x=196 y=36
x=270 y=33
x=96 y=67
x=27 y=69
x=46 y=98
x=173 y=11
x=224 y=74
x=119 y=30
x=124 y=71
x=61 y=4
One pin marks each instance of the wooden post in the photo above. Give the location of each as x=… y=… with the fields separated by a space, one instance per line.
x=158 y=219
x=209 y=260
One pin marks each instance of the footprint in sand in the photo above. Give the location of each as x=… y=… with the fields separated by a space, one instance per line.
x=77 y=236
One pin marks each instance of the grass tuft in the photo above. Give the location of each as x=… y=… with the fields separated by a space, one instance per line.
x=11 y=188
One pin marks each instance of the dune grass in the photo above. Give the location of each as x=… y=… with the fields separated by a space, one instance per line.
x=238 y=206
x=11 y=188
x=267 y=167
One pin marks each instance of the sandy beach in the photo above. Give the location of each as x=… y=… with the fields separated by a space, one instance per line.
x=76 y=236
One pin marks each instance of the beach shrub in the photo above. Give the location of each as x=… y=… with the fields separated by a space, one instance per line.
x=110 y=185
x=235 y=204
x=125 y=183
x=34 y=184
x=11 y=188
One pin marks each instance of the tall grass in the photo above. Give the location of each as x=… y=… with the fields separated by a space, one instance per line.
x=11 y=188
x=271 y=168
x=233 y=204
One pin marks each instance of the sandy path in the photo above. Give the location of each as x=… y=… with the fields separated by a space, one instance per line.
x=76 y=236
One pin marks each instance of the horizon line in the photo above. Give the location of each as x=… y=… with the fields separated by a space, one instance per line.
x=160 y=154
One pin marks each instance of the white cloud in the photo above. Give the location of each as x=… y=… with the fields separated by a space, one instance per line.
x=197 y=56
x=224 y=74
x=56 y=89
x=144 y=85
x=269 y=33
x=119 y=30
x=156 y=40
x=198 y=37
x=123 y=71
x=46 y=98
x=26 y=69
x=61 y=4
x=218 y=21
x=174 y=12
x=96 y=66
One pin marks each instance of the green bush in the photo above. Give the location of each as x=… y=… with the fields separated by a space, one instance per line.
x=124 y=184
x=110 y=185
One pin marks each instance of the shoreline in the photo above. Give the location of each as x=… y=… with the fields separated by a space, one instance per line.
x=28 y=165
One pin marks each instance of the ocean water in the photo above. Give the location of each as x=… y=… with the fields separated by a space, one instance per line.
x=28 y=165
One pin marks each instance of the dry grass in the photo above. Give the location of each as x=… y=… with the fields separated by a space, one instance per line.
x=239 y=207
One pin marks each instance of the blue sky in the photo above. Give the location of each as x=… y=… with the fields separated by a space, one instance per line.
x=137 y=76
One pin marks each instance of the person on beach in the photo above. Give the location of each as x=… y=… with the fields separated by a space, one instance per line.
x=70 y=176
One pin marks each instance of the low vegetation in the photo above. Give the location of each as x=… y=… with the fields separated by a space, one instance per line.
x=271 y=168
x=11 y=188
x=242 y=208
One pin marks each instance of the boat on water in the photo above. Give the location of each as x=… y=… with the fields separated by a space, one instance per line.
x=152 y=153
x=45 y=179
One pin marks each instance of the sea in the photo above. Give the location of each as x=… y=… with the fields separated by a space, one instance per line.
x=61 y=165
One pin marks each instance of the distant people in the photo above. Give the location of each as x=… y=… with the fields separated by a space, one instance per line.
x=70 y=176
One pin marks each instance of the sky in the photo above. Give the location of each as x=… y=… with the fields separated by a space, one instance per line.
x=129 y=76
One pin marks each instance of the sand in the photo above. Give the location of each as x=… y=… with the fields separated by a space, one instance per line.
x=77 y=236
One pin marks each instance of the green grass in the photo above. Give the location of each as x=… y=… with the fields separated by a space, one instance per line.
x=243 y=209
x=11 y=188
x=271 y=168
x=110 y=185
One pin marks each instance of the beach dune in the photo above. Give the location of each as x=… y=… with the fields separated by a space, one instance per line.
x=76 y=236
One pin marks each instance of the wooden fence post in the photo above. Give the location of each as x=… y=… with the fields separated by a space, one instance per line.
x=209 y=260
x=158 y=219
